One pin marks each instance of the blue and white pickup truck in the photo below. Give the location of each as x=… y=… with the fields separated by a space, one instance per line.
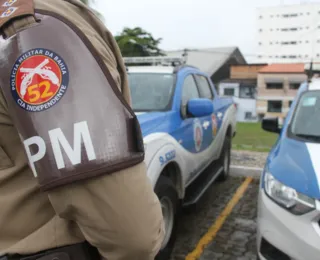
x=187 y=130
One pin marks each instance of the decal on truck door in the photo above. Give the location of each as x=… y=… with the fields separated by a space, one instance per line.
x=214 y=125
x=197 y=134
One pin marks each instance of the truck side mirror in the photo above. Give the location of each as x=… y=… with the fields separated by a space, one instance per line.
x=271 y=125
x=199 y=107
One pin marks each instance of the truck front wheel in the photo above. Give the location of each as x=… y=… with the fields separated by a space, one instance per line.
x=168 y=197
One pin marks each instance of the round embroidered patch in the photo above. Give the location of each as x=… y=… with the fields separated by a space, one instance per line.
x=39 y=79
x=197 y=135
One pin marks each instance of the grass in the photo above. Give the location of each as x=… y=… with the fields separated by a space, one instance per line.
x=251 y=137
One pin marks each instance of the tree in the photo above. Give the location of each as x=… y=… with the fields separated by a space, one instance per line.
x=137 y=42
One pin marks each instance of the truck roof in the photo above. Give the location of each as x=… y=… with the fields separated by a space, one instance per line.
x=151 y=69
x=159 y=64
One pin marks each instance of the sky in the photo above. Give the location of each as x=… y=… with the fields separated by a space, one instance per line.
x=191 y=23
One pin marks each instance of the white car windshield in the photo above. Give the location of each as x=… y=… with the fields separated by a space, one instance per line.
x=306 y=119
x=151 y=91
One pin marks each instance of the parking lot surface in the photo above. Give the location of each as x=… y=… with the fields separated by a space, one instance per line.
x=235 y=239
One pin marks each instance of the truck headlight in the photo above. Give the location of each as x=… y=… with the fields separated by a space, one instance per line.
x=287 y=197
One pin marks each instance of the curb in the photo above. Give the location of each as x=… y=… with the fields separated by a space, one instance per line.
x=238 y=170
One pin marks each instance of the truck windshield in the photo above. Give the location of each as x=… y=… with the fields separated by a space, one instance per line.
x=306 y=119
x=151 y=91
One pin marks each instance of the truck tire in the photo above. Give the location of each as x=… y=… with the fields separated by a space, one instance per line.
x=225 y=159
x=169 y=200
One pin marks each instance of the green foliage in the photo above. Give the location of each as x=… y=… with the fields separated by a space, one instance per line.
x=137 y=42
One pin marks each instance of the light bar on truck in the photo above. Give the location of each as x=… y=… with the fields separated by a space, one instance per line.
x=155 y=60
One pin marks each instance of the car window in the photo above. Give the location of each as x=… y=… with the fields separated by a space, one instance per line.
x=306 y=118
x=189 y=90
x=204 y=87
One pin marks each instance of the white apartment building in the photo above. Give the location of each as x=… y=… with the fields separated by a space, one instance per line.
x=288 y=33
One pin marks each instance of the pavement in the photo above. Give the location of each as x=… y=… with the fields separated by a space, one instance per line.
x=222 y=226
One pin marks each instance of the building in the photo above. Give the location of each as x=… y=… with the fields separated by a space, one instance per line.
x=277 y=87
x=214 y=61
x=288 y=33
x=242 y=86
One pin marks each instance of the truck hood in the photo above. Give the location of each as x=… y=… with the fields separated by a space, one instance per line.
x=151 y=121
x=297 y=165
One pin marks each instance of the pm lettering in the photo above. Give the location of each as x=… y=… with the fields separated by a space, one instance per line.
x=58 y=142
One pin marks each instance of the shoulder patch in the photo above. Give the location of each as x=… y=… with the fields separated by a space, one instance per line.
x=10 y=9
x=39 y=79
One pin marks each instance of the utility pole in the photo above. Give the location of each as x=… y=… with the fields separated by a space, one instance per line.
x=185 y=55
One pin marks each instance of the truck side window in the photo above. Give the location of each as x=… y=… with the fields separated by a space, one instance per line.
x=189 y=91
x=204 y=86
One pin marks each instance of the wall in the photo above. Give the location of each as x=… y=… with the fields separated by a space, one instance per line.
x=245 y=71
x=244 y=105
x=285 y=95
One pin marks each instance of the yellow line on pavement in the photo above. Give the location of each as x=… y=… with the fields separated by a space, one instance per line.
x=213 y=230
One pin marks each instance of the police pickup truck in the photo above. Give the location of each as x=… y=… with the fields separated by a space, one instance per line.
x=187 y=130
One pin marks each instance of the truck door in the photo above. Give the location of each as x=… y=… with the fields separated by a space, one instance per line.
x=205 y=91
x=194 y=133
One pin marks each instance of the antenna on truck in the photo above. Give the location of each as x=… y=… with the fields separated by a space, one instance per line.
x=312 y=70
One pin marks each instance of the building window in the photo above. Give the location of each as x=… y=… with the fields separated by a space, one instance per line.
x=288 y=43
x=275 y=106
x=274 y=85
x=290 y=103
x=248 y=115
x=228 y=92
x=289 y=15
x=294 y=85
x=247 y=91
